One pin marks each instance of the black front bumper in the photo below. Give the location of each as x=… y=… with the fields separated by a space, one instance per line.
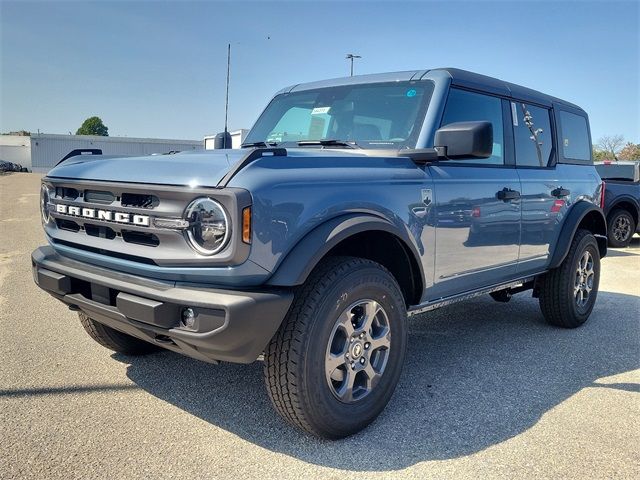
x=230 y=325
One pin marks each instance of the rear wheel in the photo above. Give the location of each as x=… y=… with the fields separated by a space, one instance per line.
x=568 y=293
x=334 y=363
x=115 y=340
x=621 y=227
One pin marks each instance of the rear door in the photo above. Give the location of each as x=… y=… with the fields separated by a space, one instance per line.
x=477 y=204
x=544 y=197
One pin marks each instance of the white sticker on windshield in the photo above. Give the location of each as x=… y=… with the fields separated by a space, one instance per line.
x=514 y=114
x=320 y=110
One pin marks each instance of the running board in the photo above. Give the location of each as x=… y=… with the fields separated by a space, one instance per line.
x=518 y=285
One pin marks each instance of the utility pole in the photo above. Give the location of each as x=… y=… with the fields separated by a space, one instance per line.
x=351 y=56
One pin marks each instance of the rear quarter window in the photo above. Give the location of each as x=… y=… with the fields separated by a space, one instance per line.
x=532 y=135
x=575 y=136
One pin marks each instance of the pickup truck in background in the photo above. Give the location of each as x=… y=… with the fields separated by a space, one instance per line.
x=621 y=200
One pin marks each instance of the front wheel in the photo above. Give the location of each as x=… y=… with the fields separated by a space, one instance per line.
x=334 y=363
x=568 y=293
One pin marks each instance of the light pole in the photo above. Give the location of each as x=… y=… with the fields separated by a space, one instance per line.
x=351 y=56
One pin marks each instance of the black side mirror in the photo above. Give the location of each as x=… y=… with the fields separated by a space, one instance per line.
x=465 y=140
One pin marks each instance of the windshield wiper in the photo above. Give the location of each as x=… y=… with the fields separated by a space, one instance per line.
x=259 y=144
x=328 y=143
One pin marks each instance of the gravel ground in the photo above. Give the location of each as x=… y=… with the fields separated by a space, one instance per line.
x=489 y=390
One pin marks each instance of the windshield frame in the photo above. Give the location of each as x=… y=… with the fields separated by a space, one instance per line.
x=409 y=142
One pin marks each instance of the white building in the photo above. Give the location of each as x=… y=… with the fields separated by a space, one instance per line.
x=237 y=137
x=41 y=152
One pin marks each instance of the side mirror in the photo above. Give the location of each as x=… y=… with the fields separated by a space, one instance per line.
x=465 y=140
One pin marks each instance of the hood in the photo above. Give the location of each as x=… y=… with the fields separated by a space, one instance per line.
x=202 y=168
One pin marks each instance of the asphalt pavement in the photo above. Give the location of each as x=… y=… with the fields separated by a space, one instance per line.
x=488 y=391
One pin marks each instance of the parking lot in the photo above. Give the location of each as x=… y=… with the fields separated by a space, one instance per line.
x=488 y=390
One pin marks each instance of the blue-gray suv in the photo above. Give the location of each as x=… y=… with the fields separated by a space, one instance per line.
x=353 y=203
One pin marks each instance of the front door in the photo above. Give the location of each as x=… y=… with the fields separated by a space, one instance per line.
x=477 y=206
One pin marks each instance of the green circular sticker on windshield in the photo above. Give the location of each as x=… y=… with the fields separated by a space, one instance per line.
x=411 y=93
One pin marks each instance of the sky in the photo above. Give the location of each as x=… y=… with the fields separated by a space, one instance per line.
x=158 y=69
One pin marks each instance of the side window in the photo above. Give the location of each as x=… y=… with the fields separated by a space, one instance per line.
x=575 y=136
x=463 y=106
x=532 y=135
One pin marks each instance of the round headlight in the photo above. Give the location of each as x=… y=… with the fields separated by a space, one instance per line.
x=45 y=197
x=209 y=228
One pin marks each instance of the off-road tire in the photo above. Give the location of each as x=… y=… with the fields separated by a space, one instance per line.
x=115 y=340
x=556 y=296
x=294 y=365
x=614 y=217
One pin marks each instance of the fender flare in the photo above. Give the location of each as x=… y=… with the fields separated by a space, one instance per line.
x=575 y=216
x=307 y=253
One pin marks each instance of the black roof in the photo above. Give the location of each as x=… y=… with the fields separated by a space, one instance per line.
x=464 y=78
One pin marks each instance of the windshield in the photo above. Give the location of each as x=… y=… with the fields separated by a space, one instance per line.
x=378 y=115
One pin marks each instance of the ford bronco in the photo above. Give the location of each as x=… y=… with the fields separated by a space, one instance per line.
x=353 y=203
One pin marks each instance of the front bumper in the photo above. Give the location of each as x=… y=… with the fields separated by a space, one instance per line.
x=230 y=325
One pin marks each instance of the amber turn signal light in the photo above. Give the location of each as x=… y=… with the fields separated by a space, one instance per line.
x=246 y=225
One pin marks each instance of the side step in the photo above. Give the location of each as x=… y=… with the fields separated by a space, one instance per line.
x=514 y=286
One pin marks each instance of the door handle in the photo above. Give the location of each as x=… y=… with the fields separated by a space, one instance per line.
x=560 y=192
x=506 y=194
x=419 y=212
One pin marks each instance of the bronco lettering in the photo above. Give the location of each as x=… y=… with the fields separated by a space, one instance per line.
x=105 y=215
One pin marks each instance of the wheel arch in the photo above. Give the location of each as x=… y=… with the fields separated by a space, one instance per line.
x=360 y=235
x=583 y=215
x=625 y=203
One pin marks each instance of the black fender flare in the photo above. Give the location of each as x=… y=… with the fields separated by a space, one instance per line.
x=307 y=253
x=571 y=223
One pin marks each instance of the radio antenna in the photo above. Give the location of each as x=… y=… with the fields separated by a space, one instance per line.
x=226 y=104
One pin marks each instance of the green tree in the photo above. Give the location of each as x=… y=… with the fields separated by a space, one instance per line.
x=600 y=155
x=631 y=151
x=93 y=126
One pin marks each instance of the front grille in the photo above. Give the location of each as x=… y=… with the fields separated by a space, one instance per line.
x=118 y=220
x=67 y=193
x=101 y=197
x=140 y=238
x=67 y=225
x=100 y=231
x=139 y=200
x=124 y=256
x=107 y=235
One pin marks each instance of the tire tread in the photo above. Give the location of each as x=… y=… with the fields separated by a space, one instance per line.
x=555 y=288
